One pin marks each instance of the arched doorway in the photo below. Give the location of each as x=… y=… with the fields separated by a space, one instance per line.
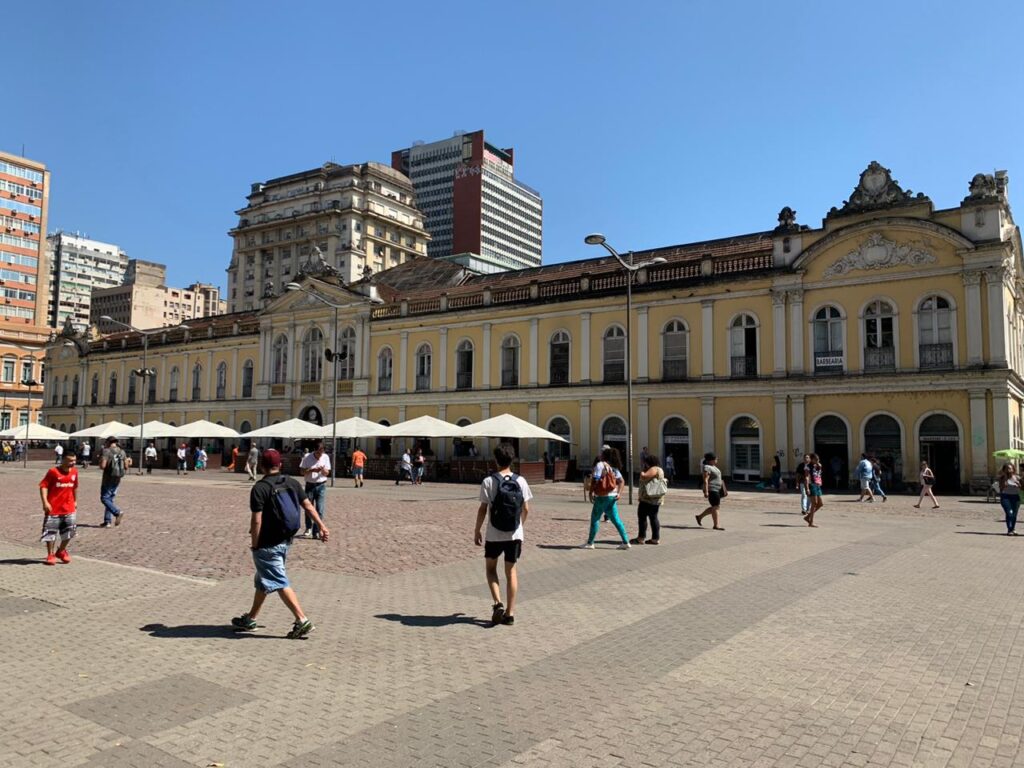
x=831 y=441
x=312 y=414
x=383 y=447
x=613 y=433
x=560 y=427
x=463 y=448
x=675 y=442
x=940 y=447
x=745 y=450
x=883 y=439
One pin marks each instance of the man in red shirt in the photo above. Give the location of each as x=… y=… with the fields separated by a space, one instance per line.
x=58 y=491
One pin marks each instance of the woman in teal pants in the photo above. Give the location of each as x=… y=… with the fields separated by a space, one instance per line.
x=605 y=502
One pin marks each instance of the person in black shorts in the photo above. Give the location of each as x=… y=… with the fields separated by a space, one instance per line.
x=501 y=542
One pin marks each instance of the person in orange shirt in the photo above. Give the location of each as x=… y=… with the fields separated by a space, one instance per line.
x=58 y=490
x=358 y=462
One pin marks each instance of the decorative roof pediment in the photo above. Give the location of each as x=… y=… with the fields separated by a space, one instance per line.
x=877 y=189
x=294 y=301
x=878 y=252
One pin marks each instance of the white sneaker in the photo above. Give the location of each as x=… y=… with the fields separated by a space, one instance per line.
x=307 y=535
x=624 y=546
x=586 y=546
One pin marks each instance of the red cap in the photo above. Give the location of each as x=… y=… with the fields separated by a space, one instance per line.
x=271 y=458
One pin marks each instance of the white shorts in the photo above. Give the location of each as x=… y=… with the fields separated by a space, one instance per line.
x=865 y=484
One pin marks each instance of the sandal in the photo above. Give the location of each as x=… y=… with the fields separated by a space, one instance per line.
x=637 y=540
x=652 y=541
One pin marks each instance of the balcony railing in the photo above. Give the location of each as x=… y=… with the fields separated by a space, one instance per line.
x=422 y=382
x=464 y=380
x=510 y=378
x=744 y=366
x=560 y=375
x=614 y=373
x=673 y=370
x=936 y=356
x=879 y=358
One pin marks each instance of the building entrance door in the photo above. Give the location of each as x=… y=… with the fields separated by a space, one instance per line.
x=940 y=447
x=830 y=443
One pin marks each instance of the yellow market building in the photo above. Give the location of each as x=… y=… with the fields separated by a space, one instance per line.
x=893 y=328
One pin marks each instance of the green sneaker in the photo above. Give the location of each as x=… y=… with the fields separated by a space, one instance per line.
x=300 y=629
x=243 y=622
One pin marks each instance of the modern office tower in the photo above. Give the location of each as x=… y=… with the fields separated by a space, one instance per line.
x=145 y=301
x=338 y=220
x=24 y=199
x=473 y=203
x=78 y=265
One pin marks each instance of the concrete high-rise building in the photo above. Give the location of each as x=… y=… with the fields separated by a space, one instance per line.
x=78 y=265
x=473 y=203
x=24 y=200
x=359 y=216
x=145 y=301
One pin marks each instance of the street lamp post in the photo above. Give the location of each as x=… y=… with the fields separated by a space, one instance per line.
x=334 y=357
x=143 y=373
x=630 y=269
x=30 y=383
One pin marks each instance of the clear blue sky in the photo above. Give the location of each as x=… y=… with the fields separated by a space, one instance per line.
x=656 y=123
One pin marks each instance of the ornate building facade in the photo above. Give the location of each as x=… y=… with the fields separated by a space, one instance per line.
x=894 y=328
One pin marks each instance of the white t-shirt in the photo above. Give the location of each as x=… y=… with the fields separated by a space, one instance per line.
x=321 y=467
x=599 y=469
x=59 y=450
x=150 y=452
x=488 y=491
x=181 y=454
x=86 y=450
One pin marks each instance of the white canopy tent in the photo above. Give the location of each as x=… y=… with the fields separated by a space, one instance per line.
x=292 y=429
x=203 y=428
x=507 y=425
x=422 y=426
x=35 y=432
x=355 y=427
x=151 y=430
x=108 y=429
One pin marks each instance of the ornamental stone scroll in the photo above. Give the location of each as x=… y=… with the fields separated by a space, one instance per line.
x=878 y=252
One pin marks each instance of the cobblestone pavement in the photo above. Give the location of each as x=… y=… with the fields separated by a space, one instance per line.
x=888 y=636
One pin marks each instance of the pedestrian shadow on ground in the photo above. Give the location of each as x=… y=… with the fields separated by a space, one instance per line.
x=416 y=620
x=984 y=533
x=693 y=527
x=22 y=561
x=783 y=525
x=572 y=519
x=197 y=631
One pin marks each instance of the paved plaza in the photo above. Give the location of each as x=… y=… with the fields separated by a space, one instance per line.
x=888 y=636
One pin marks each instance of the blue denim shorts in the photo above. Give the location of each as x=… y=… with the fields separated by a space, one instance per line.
x=270 y=572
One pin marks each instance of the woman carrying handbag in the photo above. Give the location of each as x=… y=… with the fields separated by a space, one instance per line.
x=653 y=488
x=927 y=478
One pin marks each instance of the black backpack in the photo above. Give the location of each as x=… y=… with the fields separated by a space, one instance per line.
x=286 y=506
x=507 y=507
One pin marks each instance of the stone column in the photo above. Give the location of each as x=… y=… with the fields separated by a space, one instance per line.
x=403 y=358
x=707 y=431
x=707 y=339
x=972 y=308
x=442 y=360
x=782 y=431
x=534 y=351
x=532 y=452
x=585 y=350
x=779 y=332
x=642 y=345
x=643 y=425
x=1001 y=432
x=442 y=449
x=208 y=393
x=798 y=430
x=996 y=318
x=586 y=442
x=485 y=358
x=978 y=437
x=796 y=335
x=233 y=375
x=358 y=351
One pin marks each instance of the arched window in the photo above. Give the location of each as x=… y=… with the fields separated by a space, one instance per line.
x=743 y=347
x=74 y=392
x=248 y=371
x=745 y=449
x=112 y=392
x=559 y=363
x=64 y=391
x=510 y=362
x=197 y=374
x=312 y=355
x=172 y=392
x=464 y=365
x=674 y=351
x=560 y=427
x=828 y=340
x=280 y=360
x=244 y=427
x=424 y=366
x=385 y=368
x=879 y=335
x=935 y=333
x=94 y=390
x=222 y=380
x=347 y=348
x=131 y=387
x=614 y=354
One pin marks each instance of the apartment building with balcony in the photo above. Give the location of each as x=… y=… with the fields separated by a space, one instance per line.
x=77 y=266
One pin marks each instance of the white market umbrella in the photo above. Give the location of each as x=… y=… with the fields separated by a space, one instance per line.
x=292 y=429
x=355 y=427
x=35 y=432
x=507 y=425
x=423 y=426
x=110 y=428
x=203 y=428
x=151 y=430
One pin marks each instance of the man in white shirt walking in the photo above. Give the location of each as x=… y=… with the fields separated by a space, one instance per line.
x=316 y=468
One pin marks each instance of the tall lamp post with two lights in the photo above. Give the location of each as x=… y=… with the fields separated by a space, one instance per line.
x=143 y=373
x=630 y=270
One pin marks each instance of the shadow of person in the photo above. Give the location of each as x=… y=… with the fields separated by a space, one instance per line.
x=414 y=620
x=197 y=631
x=22 y=561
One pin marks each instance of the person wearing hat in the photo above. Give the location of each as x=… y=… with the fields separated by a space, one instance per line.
x=114 y=464
x=271 y=538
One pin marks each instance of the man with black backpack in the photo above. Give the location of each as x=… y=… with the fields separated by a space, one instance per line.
x=114 y=464
x=504 y=501
x=277 y=503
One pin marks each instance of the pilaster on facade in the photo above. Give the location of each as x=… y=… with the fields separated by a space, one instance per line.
x=642 y=354
x=403 y=362
x=781 y=403
x=796 y=331
x=972 y=307
x=707 y=424
x=995 y=282
x=707 y=340
x=585 y=348
x=534 y=351
x=643 y=419
x=1001 y=421
x=532 y=411
x=779 y=333
x=586 y=443
x=485 y=368
x=978 y=436
x=442 y=364
x=798 y=426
